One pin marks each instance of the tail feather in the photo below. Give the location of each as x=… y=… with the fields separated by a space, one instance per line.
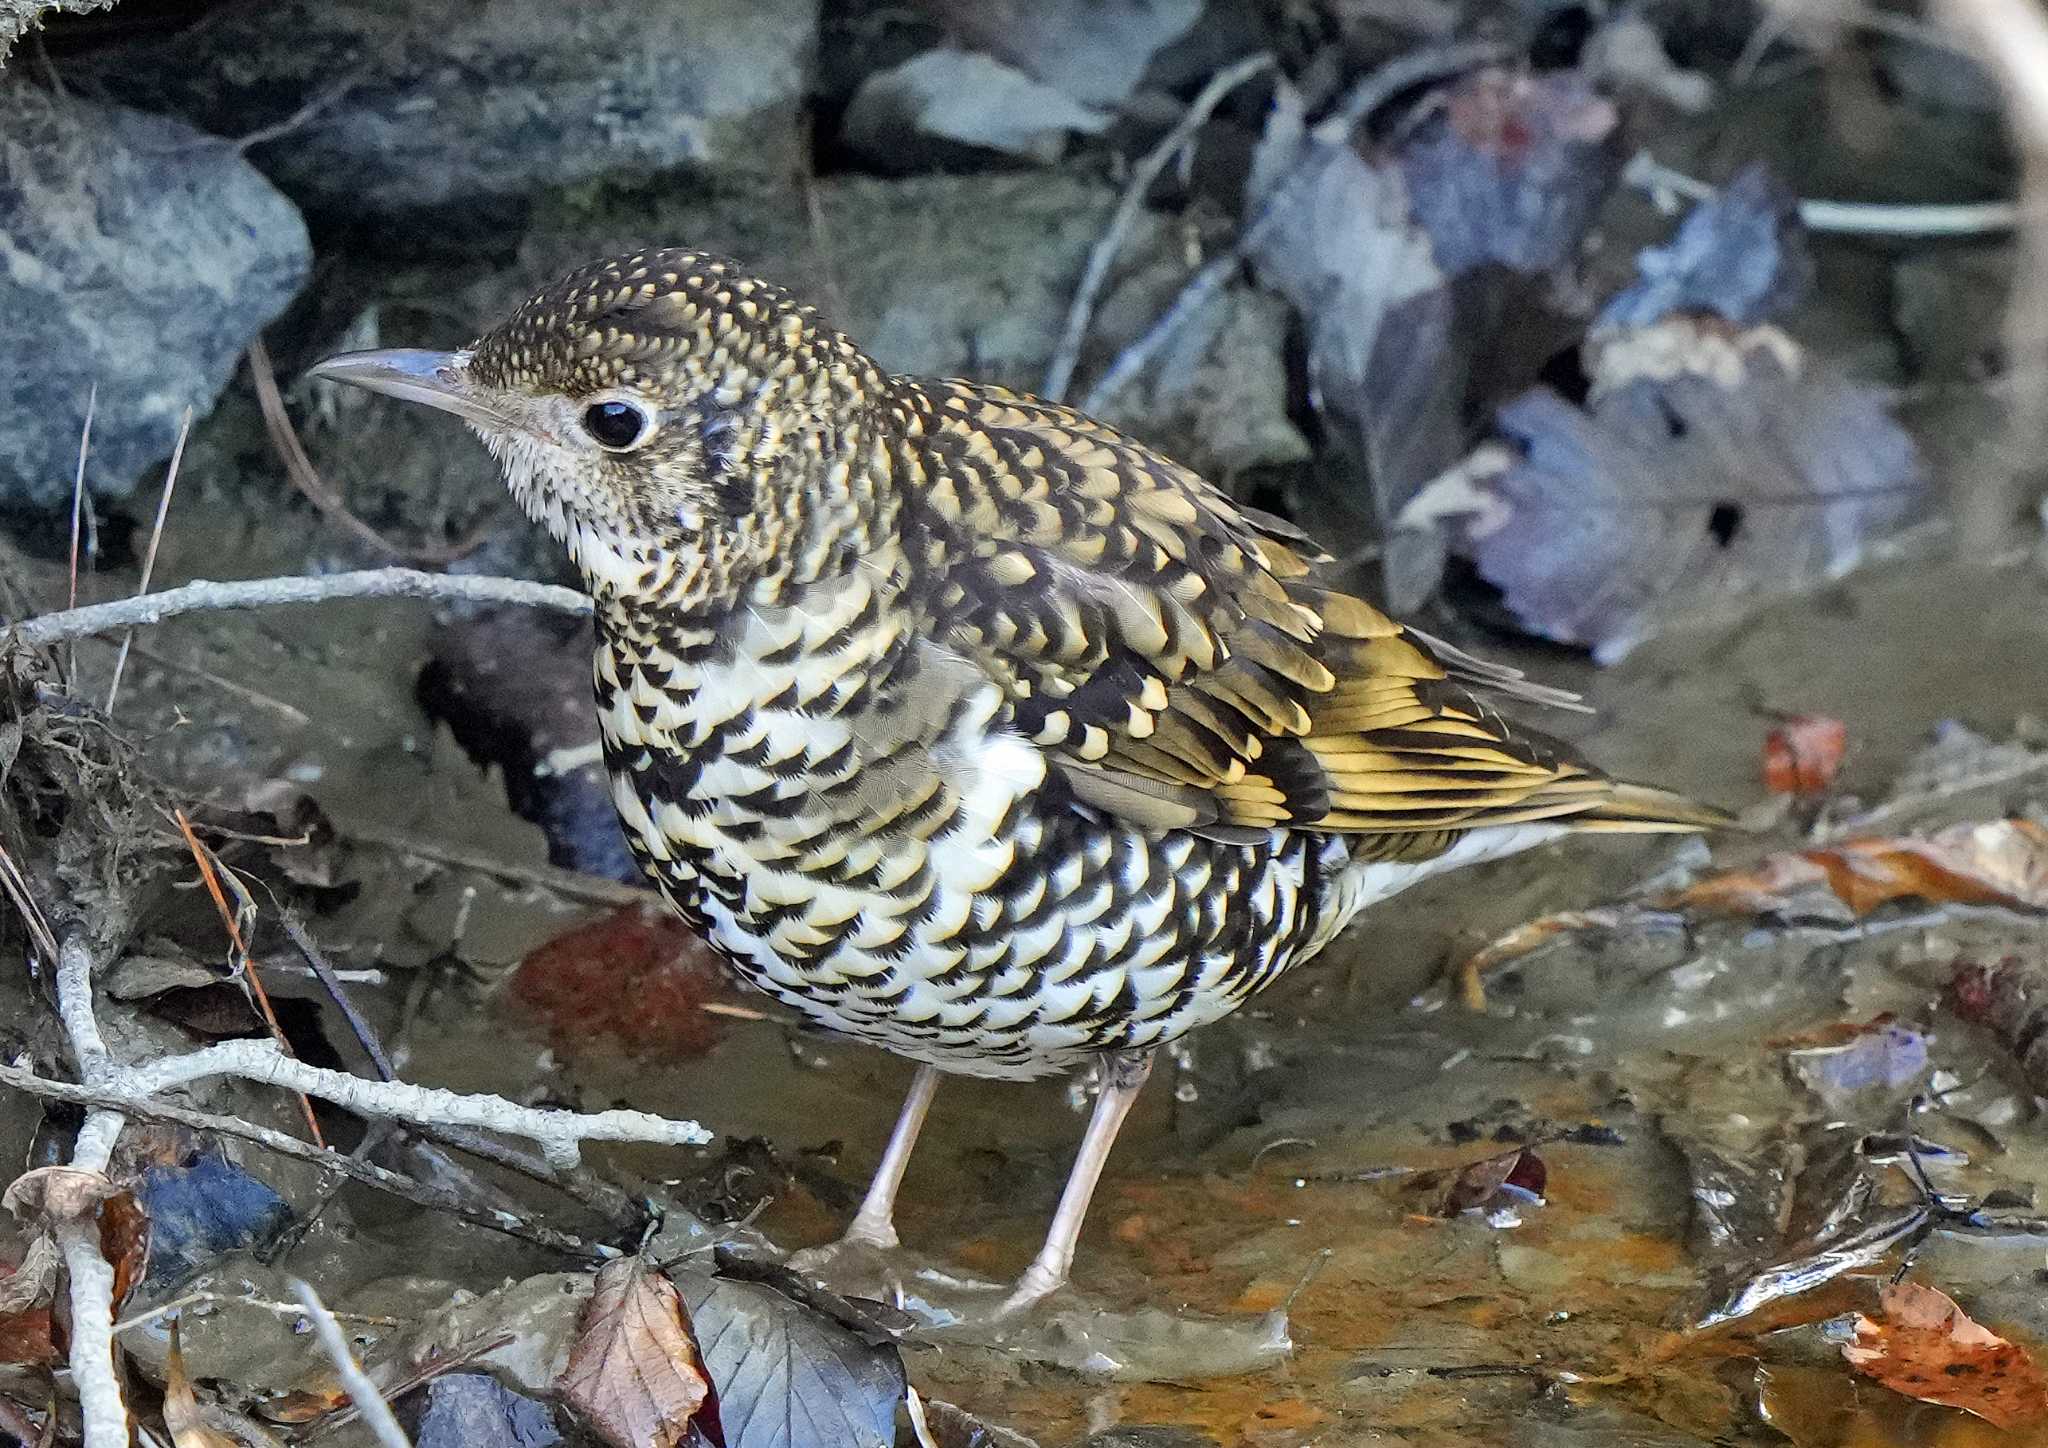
x=1642 y=809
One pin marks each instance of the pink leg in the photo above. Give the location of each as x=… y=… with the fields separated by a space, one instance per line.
x=874 y=1224
x=1123 y=1078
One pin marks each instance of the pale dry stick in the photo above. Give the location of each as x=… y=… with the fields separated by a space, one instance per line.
x=104 y=1414
x=1907 y=221
x=1418 y=67
x=92 y=402
x=378 y=1178
x=260 y=1304
x=569 y=884
x=1060 y=371
x=202 y=596
x=290 y=713
x=369 y=1402
x=156 y=537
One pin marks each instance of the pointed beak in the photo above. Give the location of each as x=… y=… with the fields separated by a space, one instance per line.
x=438 y=379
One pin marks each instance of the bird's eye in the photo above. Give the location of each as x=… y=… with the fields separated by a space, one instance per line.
x=615 y=425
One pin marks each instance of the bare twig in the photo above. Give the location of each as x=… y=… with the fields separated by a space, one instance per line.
x=369 y=1402
x=260 y=1304
x=569 y=884
x=392 y=1183
x=1060 y=371
x=298 y=466
x=1417 y=67
x=1845 y=218
x=290 y=713
x=205 y=597
x=330 y=981
x=156 y=537
x=92 y=402
x=211 y=871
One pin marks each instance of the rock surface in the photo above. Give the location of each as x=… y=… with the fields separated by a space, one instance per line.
x=141 y=256
x=910 y=116
x=444 y=102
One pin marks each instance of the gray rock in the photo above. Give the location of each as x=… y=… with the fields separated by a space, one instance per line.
x=140 y=255
x=445 y=102
x=1097 y=51
x=961 y=99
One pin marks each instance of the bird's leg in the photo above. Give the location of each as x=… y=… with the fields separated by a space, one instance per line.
x=874 y=1224
x=1123 y=1076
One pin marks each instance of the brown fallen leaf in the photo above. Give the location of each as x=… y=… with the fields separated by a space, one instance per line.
x=124 y=1242
x=1996 y=862
x=636 y=1373
x=1928 y=1348
x=1803 y=754
x=187 y=1427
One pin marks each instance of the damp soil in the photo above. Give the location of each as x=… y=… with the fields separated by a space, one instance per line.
x=1262 y=1266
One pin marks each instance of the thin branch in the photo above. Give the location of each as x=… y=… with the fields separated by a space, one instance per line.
x=330 y=981
x=378 y=1178
x=205 y=597
x=369 y=1402
x=569 y=884
x=1418 y=67
x=92 y=402
x=156 y=537
x=92 y=1332
x=558 y=1134
x=1912 y=221
x=260 y=1304
x=1060 y=371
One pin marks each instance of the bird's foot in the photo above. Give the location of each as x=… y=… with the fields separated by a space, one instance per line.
x=864 y=1237
x=1040 y=1280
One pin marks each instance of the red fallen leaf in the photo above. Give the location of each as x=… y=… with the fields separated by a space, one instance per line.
x=1928 y=1348
x=1997 y=862
x=28 y=1338
x=1802 y=754
x=637 y=976
x=636 y=1373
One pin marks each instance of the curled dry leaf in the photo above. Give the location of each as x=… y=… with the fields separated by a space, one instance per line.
x=1803 y=754
x=2010 y=1000
x=1928 y=1348
x=181 y=1406
x=27 y=1330
x=1997 y=862
x=636 y=1373
x=1707 y=469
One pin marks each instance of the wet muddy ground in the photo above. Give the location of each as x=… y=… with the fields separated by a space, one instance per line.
x=1270 y=1261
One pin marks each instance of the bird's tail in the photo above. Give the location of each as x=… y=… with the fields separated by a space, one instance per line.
x=1642 y=809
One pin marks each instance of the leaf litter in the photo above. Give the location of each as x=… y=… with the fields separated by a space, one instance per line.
x=1924 y=1346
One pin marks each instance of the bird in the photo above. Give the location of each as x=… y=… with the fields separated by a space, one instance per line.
x=961 y=722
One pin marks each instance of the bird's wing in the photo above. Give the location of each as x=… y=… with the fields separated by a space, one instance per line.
x=1171 y=652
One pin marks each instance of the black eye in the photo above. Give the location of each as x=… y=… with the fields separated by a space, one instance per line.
x=614 y=424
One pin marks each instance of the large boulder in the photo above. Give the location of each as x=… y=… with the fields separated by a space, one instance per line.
x=139 y=255
x=385 y=109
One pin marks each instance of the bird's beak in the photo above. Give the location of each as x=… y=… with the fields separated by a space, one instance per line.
x=438 y=379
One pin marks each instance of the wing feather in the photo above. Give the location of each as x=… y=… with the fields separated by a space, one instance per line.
x=1173 y=654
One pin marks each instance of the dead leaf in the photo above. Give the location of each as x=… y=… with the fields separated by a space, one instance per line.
x=32 y=1281
x=1474 y=1187
x=1707 y=469
x=635 y=980
x=1928 y=1348
x=636 y=1373
x=1803 y=754
x=1997 y=862
x=124 y=1242
x=181 y=1407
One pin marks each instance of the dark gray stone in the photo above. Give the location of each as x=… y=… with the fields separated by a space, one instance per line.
x=445 y=102
x=140 y=255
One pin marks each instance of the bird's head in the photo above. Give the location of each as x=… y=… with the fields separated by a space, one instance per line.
x=677 y=423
